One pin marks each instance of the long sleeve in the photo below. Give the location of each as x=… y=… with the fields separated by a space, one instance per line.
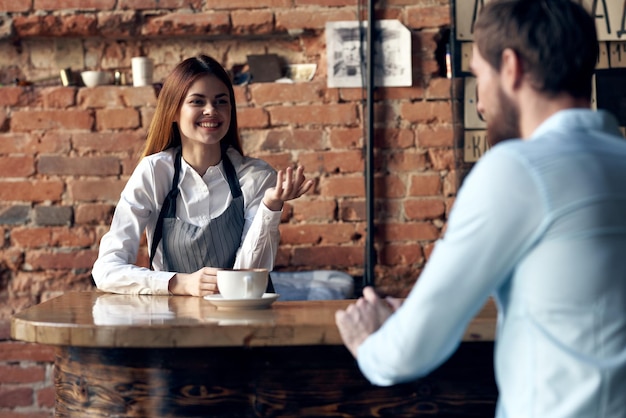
x=201 y=199
x=115 y=269
x=495 y=217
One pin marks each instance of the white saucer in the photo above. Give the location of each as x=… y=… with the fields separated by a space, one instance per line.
x=260 y=303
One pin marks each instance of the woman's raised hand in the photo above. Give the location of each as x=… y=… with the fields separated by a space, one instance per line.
x=289 y=186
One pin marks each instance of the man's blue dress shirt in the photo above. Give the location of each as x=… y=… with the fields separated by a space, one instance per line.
x=541 y=225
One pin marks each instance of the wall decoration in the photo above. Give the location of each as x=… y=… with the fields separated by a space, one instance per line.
x=345 y=48
x=609 y=84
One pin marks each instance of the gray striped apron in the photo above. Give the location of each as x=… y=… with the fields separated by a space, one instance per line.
x=186 y=247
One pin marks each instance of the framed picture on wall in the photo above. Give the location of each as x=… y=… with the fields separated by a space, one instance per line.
x=346 y=48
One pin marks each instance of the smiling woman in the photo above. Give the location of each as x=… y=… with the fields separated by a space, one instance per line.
x=202 y=203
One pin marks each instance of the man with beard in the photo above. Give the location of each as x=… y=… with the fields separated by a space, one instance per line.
x=539 y=223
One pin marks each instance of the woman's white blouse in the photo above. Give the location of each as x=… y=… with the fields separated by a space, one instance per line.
x=201 y=199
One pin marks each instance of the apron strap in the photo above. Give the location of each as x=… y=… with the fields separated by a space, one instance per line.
x=168 y=209
x=231 y=176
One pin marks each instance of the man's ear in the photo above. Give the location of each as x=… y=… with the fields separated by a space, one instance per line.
x=511 y=71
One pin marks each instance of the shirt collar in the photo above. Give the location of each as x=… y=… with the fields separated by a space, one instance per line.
x=578 y=119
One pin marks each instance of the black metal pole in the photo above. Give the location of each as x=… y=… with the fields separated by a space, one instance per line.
x=370 y=253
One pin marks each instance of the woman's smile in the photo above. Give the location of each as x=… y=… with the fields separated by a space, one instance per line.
x=205 y=113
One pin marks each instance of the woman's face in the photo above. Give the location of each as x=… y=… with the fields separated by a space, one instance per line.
x=204 y=116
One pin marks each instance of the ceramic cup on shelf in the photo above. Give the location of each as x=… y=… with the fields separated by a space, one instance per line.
x=95 y=78
x=242 y=283
x=142 y=68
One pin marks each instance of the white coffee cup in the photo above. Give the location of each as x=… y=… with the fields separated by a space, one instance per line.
x=142 y=68
x=242 y=283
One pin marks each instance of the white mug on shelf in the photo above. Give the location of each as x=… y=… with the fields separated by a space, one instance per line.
x=142 y=68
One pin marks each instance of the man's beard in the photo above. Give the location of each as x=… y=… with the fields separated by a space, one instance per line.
x=504 y=123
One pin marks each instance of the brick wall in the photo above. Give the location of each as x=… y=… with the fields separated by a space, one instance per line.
x=66 y=152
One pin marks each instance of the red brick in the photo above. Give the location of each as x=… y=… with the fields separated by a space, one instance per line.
x=12 y=6
x=29 y=120
x=252 y=117
x=270 y=93
x=278 y=161
x=331 y=114
x=407 y=231
x=403 y=161
x=55 y=25
x=352 y=210
x=346 y=138
x=23 y=143
x=74 y=4
x=252 y=21
x=12 y=258
x=73 y=237
x=100 y=97
x=96 y=213
x=282 y=258
x=11 y=96
x=5 y=329
x=314 y=210
x=17 y=166
x=428 y=250
x=420 y=209
x=401 y=254
x=449 y=204
x=78 y=166
x=304 y=19
x=157 y=4
x=389 y=138
x=333 y=162
x=33 y=191
x=322 y=234
x=293 y=139
x=427 y=16
x=427 y=112
x=18 y=351
x=248 y=4
x=425 y=185
x=46 y=397
x=111 y=119
x=180 y=23
x=352 y=94
x=129 y=142
x=96 y=190
x=441 y=88
x=442 y=159
x=59 y=97
x=14 y=414
x=389 y=187
x=147 y=113
x=25 y=237
x=343 y=186
x=399 y=93
x=11 y=398
x=325 y=256
x=118 y=24
x=18 y=374
x=451 y=183
x=324 y=3
x=435 y=136
x=43 y=260
x=143 y=96
x=4 y=120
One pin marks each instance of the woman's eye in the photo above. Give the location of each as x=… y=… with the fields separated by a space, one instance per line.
x=222 y=102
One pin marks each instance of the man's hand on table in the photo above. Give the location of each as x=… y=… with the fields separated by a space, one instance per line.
x=361 y=319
